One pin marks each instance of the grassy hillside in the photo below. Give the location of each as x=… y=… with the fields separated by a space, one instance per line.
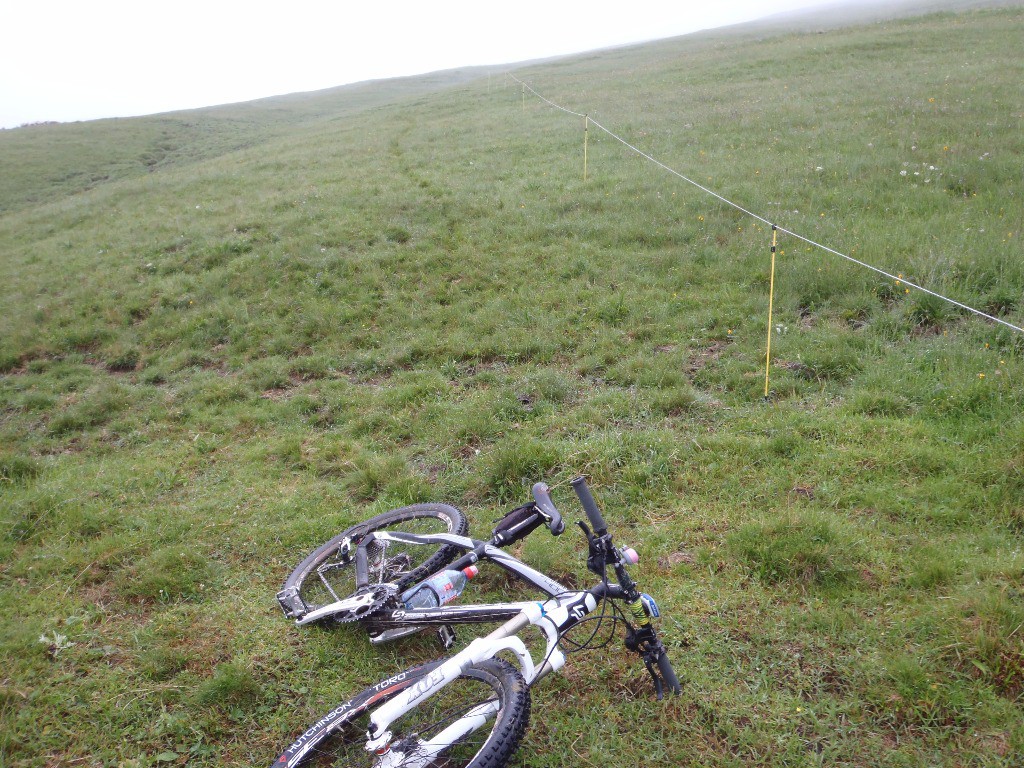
x=298 y=317
x=43 y=162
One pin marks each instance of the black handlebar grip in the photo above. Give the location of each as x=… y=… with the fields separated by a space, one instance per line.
x=362 y=566
x=589 y=505
x=668 y=674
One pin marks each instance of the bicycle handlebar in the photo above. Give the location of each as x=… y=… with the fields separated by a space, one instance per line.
x=589 y=505
x=644 y=638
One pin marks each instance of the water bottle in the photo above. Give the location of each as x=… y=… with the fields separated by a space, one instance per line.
x=439 y=589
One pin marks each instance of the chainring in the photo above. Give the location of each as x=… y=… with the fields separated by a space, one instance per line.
x=363 y=603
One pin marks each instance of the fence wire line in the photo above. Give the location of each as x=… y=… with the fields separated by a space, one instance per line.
x=899 y=280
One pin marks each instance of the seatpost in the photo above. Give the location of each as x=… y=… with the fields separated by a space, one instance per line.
x=362 y=564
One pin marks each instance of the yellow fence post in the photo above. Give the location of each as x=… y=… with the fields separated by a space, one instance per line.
x=771 y=300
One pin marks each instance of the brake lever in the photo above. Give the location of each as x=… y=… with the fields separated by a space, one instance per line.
x=597 y=561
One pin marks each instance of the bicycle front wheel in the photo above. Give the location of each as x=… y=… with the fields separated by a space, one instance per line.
x=476 y=721
x=328 y=574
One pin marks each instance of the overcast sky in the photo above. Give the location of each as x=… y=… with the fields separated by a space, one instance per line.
x=83 y=59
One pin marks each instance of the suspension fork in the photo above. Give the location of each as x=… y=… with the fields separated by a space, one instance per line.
x=502 y=639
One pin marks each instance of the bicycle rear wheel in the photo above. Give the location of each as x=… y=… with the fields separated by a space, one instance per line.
x=493 y=685
x=327 y=575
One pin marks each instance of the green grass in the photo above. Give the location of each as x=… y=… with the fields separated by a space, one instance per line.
x=309 y=310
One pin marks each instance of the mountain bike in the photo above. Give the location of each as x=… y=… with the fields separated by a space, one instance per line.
x=472 y=708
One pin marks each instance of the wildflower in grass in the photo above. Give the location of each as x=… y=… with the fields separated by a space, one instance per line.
x=981 y=375
x=57 y=643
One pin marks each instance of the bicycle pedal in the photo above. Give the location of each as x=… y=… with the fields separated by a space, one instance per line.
x=291 y=603
x=446 y=634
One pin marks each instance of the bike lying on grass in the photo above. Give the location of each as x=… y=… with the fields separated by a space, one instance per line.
x=470 y=709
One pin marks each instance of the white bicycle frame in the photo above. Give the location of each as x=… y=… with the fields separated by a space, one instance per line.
x=552 y=617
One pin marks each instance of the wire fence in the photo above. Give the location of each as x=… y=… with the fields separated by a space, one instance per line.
x=898 y=278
